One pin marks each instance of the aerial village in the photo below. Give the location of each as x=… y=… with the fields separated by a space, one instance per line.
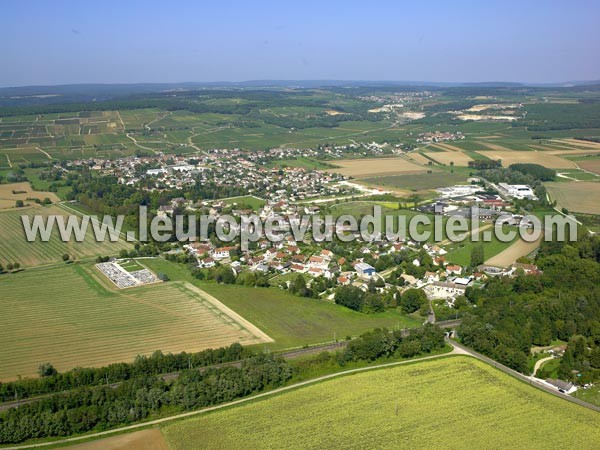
x=290 y=192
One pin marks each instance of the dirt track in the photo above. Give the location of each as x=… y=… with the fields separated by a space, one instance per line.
x=508 y=256
x=232 y=314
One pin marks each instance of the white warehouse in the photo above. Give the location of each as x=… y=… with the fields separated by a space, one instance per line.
x=517 y=191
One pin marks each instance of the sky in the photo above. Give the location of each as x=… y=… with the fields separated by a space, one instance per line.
x=64 y=42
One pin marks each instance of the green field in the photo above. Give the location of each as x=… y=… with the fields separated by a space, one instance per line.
x=460 y=252
x=420 y=182
x=362 y=208
x=14 y=247
x=577 y=174
x=131 y=265
x=452 y=402
x=24 y=139
x=301 y=118
x=292 y=321
x=278 y=279
x=304 y=163
x=266 y=135
x=247 y=200
x=72 y=316
x=590 y=395
x=33 y=175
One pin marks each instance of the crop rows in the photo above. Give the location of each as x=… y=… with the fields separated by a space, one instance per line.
x=14 y=247
x=455 y=402
x=70 y=319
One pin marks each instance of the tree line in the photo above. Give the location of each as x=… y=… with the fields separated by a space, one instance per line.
x=155 y=364
x=382 y=343
x=97 y=408
x=514 y=314
x=104 y=407
x=535 y=170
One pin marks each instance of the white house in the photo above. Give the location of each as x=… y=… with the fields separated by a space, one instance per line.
x=453 y=269
x=431 y=277
x=206 y=263
x=562 y=386
x=155 y=171
x=444 y=290
x=326 y=254
x=222 y=252
x=318 y=261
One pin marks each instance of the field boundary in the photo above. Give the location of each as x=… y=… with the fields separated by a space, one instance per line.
x=454 y=352
x=73 y=211
x=457 y=350
x=249 y=326
x=106 y=325
x=516 y=250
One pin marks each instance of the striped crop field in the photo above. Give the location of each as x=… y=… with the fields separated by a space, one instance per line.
x=14 y=247
x=454 y=402
x=70 y=316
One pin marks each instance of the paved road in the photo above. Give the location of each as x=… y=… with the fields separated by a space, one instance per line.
x=455 y=351
x=458 y=349
x=527 y=379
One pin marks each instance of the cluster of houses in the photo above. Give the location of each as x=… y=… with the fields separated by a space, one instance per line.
x=399 y=97
x=284 y=257
x=440 y=136
x=447 y=282
x=289 y=256
x=511 y=271
x=247 y=171
x=284 y=189
x=455 y=284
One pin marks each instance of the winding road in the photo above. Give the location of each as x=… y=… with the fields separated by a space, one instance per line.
x=539 y=363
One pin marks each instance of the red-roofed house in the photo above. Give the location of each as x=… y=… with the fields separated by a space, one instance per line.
x=317 y=261
x=327 y=254
x=344 y=281
x=453 y=269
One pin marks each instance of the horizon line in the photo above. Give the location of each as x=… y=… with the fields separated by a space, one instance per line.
x=251 y=82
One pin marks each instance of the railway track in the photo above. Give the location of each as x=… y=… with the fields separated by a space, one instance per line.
x=289 y=354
